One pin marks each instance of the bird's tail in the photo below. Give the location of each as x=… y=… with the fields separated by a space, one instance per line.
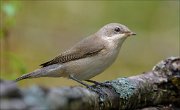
x=49 y=71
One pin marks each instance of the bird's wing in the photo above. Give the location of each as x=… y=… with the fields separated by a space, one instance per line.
x=82 y=49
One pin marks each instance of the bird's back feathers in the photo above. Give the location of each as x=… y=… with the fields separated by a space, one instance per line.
x=82 y=49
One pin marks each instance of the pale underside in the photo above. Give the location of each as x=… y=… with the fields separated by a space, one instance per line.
x=85 y=60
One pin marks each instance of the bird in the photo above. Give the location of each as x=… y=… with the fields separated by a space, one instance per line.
x=87 y=58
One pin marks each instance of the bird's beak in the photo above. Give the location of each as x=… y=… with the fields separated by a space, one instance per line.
x=130 y=33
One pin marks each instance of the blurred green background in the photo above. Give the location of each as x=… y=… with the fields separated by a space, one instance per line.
x=33 y=32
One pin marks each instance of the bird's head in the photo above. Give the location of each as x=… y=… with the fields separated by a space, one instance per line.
x=115 y=32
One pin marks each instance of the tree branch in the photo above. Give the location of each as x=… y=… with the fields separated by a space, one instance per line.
x=161 y=86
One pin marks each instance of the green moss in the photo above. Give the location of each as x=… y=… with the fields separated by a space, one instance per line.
x=124 y=87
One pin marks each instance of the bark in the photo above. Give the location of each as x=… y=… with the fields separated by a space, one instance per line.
x=147 y=91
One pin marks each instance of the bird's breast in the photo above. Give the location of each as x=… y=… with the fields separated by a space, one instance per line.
x=89 y=67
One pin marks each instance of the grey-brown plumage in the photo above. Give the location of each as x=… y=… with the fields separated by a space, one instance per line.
x=81 y=50
x=88 y=57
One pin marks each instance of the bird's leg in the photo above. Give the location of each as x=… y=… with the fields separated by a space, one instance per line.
x=92 y=81
x=88 y=86
x=98 y=83
x=79 y=81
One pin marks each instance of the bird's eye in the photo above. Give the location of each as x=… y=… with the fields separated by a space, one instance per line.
x=117 y=29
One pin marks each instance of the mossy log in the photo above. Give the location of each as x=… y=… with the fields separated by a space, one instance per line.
x=147 y=91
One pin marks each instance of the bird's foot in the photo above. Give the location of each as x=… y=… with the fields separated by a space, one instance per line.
x=99 y=83
x=92 y=88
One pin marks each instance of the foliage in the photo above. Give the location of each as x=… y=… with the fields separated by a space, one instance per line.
x=9 y=9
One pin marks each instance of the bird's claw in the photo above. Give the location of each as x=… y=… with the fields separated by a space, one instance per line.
x=99 y=83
